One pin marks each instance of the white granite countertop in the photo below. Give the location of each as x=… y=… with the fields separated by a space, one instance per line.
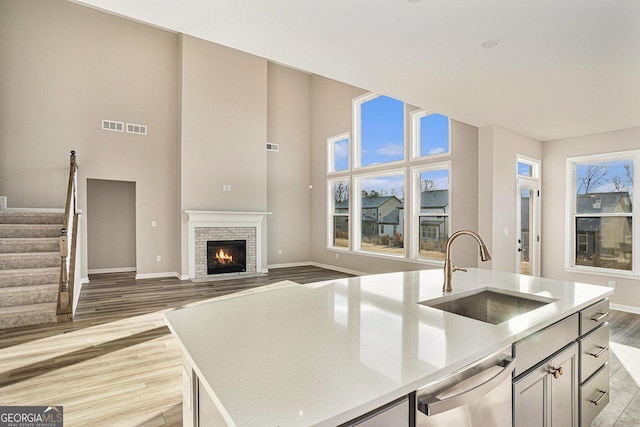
x=327 y=352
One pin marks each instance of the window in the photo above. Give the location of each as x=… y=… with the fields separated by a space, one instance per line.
x=339 y=227
x=383 y=196
x=379 y=130
x=430 y=134
x=602 y=216
x=371 y=177
x=338 y=150
x=433 y=211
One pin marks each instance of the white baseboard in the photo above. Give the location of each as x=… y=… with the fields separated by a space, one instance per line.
x=625 y=308
x=112 y=270
x=158 y=275
x=317 y=264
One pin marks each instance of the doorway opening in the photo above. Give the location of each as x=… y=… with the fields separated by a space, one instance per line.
x=111 y=226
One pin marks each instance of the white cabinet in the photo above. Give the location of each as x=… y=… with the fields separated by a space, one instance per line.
x=547 y=396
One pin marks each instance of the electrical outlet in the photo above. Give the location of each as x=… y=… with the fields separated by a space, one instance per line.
x=159 y=258
x=337 y=256
x=612 y=284
x=279 y=251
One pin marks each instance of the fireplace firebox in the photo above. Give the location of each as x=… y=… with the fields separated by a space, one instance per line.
x=226 y=256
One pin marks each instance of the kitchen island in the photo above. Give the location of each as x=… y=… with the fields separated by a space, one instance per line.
x=328 y=352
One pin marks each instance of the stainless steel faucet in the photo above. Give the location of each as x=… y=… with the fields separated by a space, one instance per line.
x=449 y=268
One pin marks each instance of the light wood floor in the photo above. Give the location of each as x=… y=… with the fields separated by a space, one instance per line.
x=118 y=365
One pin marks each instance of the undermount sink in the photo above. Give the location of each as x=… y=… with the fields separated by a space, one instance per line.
x=490 y=306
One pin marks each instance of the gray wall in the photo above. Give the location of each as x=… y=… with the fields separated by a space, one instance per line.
x=497 y=191
x=64 y=68
x=111 y=225
x=288 y=170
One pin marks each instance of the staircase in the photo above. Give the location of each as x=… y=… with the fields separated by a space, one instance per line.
x=29 y=267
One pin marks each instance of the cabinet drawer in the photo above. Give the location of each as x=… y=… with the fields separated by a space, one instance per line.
x=531 y=350
x=594 y=315
x=594 y=351
x=594 y=396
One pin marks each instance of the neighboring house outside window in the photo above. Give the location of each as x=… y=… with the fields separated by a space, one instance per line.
x=602 y=216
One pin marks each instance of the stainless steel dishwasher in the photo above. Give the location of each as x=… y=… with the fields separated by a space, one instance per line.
x=478 y=396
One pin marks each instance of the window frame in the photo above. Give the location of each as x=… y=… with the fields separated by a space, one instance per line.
x=356 y=225
x=416 y=232
x=331 y=153
x=357 y=173
x=416 y=137
x=357 y=134
x=571 y=215
x=331 y=214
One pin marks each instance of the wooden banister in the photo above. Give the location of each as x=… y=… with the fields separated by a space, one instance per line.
x=68 y=237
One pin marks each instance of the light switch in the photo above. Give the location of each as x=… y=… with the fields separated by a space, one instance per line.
x=506 y=232
x=154 y=224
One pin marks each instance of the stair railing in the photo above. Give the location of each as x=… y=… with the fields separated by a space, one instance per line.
x=68 y=239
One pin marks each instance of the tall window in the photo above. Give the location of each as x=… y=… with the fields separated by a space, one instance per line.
x=433 y=211
x=338 y=151
x=602 y=211
x=379 y=126
x=430 y=134
x=339 y=235
x=382 y=209
x=383 y=157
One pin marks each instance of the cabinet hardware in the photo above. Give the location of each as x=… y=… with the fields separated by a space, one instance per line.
x=556 y=372
x=602 y=316
x=602 y=350
x=597 y=401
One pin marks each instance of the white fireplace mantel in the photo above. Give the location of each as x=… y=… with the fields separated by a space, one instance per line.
x=216 y=219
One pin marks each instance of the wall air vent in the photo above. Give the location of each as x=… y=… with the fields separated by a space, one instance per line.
x=112 y=125
x=137 y=129
x=273 y=147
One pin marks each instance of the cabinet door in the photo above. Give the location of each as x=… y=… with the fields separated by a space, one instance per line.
x=548 y=395
x=563 y=397
x=529 y=399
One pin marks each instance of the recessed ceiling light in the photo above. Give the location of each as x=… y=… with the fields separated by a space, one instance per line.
x=414 y=1
x=490 y=43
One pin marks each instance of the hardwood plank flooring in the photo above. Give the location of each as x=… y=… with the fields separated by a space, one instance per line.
x=118 y=365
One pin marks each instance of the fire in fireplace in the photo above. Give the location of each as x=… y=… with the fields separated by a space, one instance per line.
x=226 y=256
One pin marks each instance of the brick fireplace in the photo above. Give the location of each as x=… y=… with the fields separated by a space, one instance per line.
x=208 y=226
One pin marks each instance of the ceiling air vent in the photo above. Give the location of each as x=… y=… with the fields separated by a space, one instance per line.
x=273 y=147
x=137 y=129
x=112 y=125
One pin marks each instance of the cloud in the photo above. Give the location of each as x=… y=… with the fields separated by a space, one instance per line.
x=391 y=150
x=341 y=149
x=436 y=150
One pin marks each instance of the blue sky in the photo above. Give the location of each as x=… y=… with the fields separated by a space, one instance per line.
x=613 y=169
x=382 y=133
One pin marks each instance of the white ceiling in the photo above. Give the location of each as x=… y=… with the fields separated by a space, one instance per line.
x=562 y=68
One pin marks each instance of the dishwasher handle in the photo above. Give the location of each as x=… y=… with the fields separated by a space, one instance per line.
x=429 y=404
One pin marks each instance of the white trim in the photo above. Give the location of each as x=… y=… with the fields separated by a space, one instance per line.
x=111 y=270
x=331 y=152
x=416 y=198
x=570 y=214
x=216 y=219
x=415 y=139
x=158 y=275
x=4 y=208
x=355 y=135
x=625 y=308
